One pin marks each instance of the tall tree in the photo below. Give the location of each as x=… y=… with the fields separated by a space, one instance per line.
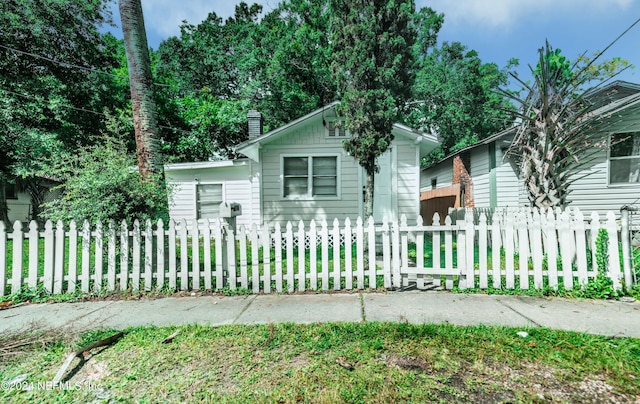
x=52 y=91
x=455 y=97
x=372 y=41
x=555 y=118
x=143 y=104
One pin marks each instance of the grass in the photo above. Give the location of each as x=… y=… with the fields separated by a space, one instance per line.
x=328 y=363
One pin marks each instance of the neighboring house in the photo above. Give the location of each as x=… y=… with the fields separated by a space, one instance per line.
x=20 y=204
x=300 y=171
x=481 y=176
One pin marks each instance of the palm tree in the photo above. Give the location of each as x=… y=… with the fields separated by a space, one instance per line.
x=555 y=124
x=145 y=117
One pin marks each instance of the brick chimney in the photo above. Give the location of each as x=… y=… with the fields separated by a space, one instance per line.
x=255 y=124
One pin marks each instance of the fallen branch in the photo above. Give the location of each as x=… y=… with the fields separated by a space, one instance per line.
x=170 y=337
x=103 y=342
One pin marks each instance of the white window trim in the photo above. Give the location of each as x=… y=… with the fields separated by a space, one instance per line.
x=309 y=196
x=618 y=184
x=347 y=134
x=195 y=195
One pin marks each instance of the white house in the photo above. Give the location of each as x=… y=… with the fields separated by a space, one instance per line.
x=607 y=180
x=300 y=171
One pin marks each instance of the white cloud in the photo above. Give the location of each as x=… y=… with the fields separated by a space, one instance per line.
x=506 y=13
x=164 y=17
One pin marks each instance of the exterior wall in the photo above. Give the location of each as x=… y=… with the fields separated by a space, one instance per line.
x=507 y=182
x=479 y=171
x=236 y=187
x=443 y=173
x=591 y=190
x=308 y=139
x=19 y=209
x=408 y=179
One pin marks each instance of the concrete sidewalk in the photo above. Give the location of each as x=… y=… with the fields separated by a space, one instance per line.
x=611 y=318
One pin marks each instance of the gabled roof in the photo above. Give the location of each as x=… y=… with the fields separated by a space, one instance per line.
x=251 y=148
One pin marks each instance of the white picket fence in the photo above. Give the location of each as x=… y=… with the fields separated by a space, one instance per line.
x=519 y=249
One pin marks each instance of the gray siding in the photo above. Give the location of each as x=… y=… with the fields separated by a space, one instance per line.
x=443 y=173
x=236 y=184
x=408 y=179
x=591 y=190
x=507 y=183
x=479 y=171
x=307 y=139
x=19 y=209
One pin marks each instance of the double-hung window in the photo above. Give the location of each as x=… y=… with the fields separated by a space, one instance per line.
x=208 y=200
x=310 y=177
x=624 y=158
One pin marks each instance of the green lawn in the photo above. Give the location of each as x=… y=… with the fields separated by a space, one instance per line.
x=330 y=363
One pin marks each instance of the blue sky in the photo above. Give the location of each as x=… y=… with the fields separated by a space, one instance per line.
x=497 y=29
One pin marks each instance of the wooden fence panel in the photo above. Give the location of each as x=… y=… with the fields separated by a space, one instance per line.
x=68 y=264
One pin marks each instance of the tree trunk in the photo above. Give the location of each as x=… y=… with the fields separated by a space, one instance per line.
x=145 y=117
x=368 y=195
x=4 y=209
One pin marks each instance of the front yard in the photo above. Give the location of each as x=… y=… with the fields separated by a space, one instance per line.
x=328 y=363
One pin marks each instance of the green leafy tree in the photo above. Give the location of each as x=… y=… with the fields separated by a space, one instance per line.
x=215 y=72
x=98 y=184
x=455 y=97
x=52 y=91
x=555 y=121
x=372 y=43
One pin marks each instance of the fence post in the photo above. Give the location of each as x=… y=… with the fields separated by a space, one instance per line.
x=290 y=268
x=277 y=238
x=195 y=255
x=58 y=277
x=135 y=281
x=581 y=248
x=313 y=259
x=371 y=237
x=496 y=244
x=34 y=238
x=148 y=255
x=171 y=243
x=16 y=265
x=435 y=249
x=614 y=256
x=348 y=255
x=461 y=252
x=395 y=255
x=335 y=235
x=626 y=246
x=99 y=257
x=420 y=253
x=386 y=255
x=266 y=258
x=86 y=256
x=324 y=237
x=184 y=255
x=359 y=254
x=124 y=255
x=73 y=254
x=111 y=256
x=470 y=234
x=49 y=251
x=482 y=250
x=244 y=273
x=161 y=255
x=302 y=246
x=537 y=253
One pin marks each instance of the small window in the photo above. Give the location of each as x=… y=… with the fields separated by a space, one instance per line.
x=624 y=158
x=434 y=183
x=208 y=200
x=336 y=129
x=10 y=191
x=310 y=176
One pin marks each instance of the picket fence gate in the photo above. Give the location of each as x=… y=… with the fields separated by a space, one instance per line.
x=542 y=249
